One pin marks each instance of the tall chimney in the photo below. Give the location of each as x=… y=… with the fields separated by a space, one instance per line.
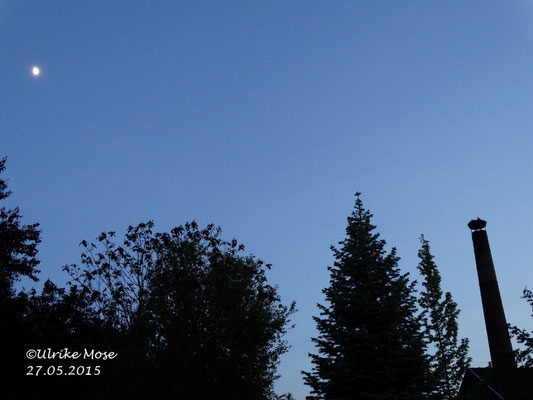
x=501 y=351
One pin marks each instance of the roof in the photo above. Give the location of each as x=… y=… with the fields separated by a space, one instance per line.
x=489 y=384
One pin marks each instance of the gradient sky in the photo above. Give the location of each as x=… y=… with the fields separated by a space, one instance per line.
x=265 y=118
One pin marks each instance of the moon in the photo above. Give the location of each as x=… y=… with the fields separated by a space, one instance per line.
x=36 y=71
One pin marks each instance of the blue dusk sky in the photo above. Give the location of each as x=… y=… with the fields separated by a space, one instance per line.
x=265 y=117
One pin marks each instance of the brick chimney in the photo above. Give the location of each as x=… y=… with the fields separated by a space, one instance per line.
x=501 y=351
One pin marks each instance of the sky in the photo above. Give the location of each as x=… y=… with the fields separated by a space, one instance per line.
x=265 y=118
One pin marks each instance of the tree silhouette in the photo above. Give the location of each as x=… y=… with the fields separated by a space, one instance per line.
x=190 y=316
x=55 y=318
x=524 y=355
x=196 y=318
x=370 y=345
x=18 y=245
x=18 y=249
x=449 y=359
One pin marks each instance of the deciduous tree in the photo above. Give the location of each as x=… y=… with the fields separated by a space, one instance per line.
x=18 y=245
x=524 y=355
x=199 y=319
x=18 y=251
x=448 y=355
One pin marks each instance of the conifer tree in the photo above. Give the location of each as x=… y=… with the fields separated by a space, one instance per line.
x=449 y=357
x=370 y=342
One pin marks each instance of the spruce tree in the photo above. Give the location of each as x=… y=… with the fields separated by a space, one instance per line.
x=370 y=342
x=449 y=357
